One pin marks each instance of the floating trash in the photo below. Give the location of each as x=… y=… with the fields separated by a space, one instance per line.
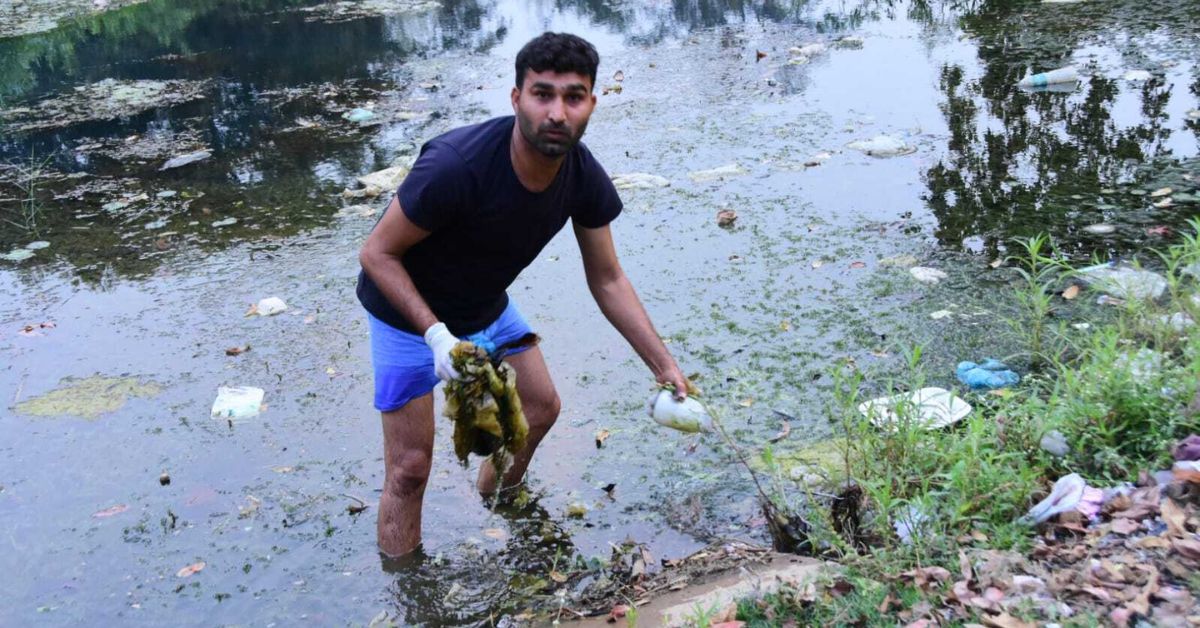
x=237 y=402
x=225 y=222
x=924 y=274
x=1137 y=75
x=17 y=255
x=882 y=146
x=37 y=246
x=1100 y=228
x=639 y=181
x=714 y=174
x=930 y=408
x=386 y=180
x=358 y=114
x=269 y=306
x=1060 y=76
x=183 y=160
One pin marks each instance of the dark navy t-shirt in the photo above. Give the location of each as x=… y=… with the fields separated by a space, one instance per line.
x=485 y=226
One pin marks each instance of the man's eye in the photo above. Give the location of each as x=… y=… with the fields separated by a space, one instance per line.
x=574 y=98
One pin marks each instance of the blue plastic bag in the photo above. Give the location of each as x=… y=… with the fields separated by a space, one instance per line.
x=987 y=375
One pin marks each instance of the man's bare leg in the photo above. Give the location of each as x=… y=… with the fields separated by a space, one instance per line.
x=407 y=457
x=540 y=402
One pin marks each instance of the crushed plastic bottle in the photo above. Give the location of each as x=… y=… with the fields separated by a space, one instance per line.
x=1053 y=77
x=688 y=415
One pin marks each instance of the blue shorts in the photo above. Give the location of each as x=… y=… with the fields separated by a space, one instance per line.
x=404 y=364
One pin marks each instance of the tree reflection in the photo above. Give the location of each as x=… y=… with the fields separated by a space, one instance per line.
x=1020 y=163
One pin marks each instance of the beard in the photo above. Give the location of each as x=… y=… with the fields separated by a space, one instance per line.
x=545 y=143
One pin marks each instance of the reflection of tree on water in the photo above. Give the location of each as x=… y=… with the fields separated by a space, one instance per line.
x=1023 y=162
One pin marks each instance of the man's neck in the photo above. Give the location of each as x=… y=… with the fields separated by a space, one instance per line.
x=534 y=170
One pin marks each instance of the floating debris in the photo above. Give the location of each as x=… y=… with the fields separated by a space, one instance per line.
x=1100 y=229
x=1137 y=75
x=237 y=402
x=347 y=10
x=183 y=160
x=726 y=218
x=1060 y=76
x=639 y=180
x=715 y=174
x=88 y=398
x=882 y=146
x=103 y=100
x=358 y=114
x=17 y=255
x=269 y=306
x=924 y=274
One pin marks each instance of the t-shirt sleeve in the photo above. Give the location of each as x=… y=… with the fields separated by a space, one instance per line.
x=601 y=203
x=436 y=190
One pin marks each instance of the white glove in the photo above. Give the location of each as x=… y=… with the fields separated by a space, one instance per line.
x=441 y=341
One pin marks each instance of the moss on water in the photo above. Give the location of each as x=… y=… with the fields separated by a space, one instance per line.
x=88 y=398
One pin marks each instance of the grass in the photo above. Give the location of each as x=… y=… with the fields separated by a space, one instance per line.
x=26 y=216
x=1117 y=389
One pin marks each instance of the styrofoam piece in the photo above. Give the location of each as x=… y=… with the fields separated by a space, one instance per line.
x=932 y=408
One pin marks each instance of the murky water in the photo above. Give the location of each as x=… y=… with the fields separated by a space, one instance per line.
x=146 y=277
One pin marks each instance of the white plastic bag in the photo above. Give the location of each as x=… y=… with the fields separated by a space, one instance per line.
x=237 y=402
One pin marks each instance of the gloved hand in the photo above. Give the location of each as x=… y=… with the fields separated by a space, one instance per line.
x=441 y=341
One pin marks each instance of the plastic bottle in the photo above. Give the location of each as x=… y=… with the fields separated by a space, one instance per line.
x=1053 y=77
x=686 y=416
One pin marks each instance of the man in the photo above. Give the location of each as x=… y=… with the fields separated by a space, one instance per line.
x=478 y=206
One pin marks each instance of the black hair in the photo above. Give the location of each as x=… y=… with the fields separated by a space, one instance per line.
x=558 y=52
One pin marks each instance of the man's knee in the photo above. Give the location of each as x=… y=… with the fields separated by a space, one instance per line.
x=408 y=472
x=542 y=412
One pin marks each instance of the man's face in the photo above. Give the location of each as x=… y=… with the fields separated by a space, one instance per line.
x=553 y=110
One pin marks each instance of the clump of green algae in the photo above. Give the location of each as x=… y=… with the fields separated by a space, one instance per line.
x=89 y=397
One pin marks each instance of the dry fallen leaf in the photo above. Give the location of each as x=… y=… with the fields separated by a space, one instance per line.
x=1004 y=620
x=1174 y=517
x=1071 y=292
x=108 y=512
x=726 y=218
x=237 y=350
x=996 y=263
x=747 y=402
x=783 y=433
x=499 y=535
x=601 y=436
x=558 y=576
x=857 y=265
x=1125 y=526
x=190 y=569
x=759 y=55
x=1188 y=548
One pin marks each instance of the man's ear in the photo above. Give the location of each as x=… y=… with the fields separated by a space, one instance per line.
x=516 y=95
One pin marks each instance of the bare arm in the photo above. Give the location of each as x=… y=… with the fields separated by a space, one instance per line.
x=621 y=306
x=381 y=259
